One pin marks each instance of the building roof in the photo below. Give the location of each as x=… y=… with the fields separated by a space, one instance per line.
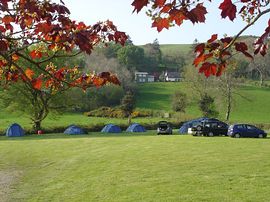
x=173 y=74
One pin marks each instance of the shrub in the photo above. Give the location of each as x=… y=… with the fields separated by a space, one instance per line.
x=179 y=101
x=207 y=106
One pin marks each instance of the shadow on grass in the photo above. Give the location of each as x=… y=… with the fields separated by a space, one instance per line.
x=89 y=135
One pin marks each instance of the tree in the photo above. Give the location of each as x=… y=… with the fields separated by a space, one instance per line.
x=212 y=57
x=131 y=56
x=207 y=106
x=37 y=32
x=261 y=65
x=36 y=104
x=128 y=104
x=179 y=101
x=153 y=56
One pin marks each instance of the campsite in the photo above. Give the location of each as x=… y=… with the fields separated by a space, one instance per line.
x=122 y=101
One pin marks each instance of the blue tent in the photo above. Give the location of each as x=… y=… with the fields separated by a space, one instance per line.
x=110 y=128
x=74 y=130
x=184 y=128
x=15 y=130
x=135 y=127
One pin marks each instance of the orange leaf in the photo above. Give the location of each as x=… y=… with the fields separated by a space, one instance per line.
x=7 y=19
x=35 y=54
x=161 y=23
x=37 y=83
x=15 y=57
x=29 y=73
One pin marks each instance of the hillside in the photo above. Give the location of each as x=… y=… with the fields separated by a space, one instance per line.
x=175 y=49
x=256 y=109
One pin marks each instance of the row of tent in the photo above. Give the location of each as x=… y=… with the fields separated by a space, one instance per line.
x=15 y=130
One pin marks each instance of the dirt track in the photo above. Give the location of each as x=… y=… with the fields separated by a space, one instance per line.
x=7 y=178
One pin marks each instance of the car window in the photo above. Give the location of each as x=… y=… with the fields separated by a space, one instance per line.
x=221 y=125
x=214 y=125
x=240 y=127
x=250 y=127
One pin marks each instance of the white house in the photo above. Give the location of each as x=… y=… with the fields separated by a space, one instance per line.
x=142 y=77
x=172 y=76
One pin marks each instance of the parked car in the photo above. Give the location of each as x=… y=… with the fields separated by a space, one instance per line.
x=245 y=130
x=210 y=128
x=164 y=127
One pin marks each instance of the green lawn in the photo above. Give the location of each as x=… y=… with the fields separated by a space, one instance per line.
x=126 y=167
x=255 y=109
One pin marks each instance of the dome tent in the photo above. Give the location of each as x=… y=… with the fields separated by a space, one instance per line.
x=110 y=128
x=135 y=127
x=74 y=130
x=15 y=130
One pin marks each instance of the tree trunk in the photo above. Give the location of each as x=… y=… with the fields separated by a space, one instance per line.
x=129 y=119
x=37 y=125
x=229 y=100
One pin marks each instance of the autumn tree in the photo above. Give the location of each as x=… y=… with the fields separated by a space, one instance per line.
x=38 y=31
x=212 y=57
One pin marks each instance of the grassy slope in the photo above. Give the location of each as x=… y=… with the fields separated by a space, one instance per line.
x=174 y=49
x=257 y=110
x=136 y=168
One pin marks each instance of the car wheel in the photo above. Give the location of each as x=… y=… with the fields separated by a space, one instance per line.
x=260 y=136
x=237 y=135
x=199 y=128
x=210 y=134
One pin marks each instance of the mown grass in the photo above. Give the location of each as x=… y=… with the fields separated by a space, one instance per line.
x=251 y=104
x=142 y=167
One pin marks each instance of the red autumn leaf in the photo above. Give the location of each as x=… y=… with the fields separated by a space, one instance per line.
x=228 y=9
x=160 y=3
x=7 y=19
x=2 y=28
x=166 y=8
x=36 y=54
x=3 y=45
x=208 y=69
x=177 y=17
x=29 y=73
x=37 y=83
x=213 y=38
x=221 y=68
x=202 y=58
x=139 y=4
x=113 y=79
x=161 y=23
x=197 y=14
x=242 y=47
x=97 y=81
x=199 y=49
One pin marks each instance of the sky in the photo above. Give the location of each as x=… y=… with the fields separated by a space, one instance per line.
x=138 y=26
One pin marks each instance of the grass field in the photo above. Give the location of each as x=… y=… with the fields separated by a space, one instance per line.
x=175 y=49
x=145 y=167
x=157 y=96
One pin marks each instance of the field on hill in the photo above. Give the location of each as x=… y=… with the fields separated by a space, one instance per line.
x=256 y=109
x=175 y=49
x=126 y=167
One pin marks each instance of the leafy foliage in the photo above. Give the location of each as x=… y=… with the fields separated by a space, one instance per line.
x=207 y=106
x=38 y=31
x=212 y=57
x=179 y=101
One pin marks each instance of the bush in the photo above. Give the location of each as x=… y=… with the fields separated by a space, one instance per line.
x=207 y=106
x=179 y=101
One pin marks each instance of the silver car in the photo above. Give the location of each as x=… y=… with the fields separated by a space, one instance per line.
x=164 y=127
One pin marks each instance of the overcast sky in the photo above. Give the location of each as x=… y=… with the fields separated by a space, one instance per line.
x=138 y=26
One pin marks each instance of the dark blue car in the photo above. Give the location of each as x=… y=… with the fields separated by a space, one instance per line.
x=245 y=130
